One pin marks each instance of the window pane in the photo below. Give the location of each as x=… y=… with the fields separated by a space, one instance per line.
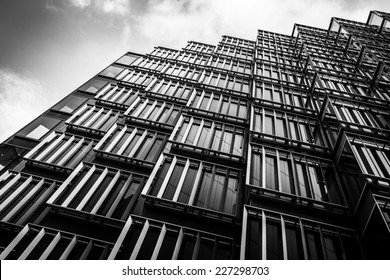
x=111 y=71
x=230 y=197
x=158 y=182
x=313 y=243
x=303 y=182
x=332 y=247
x=127 y=59
x=204 y=189
x=280 y=127
x=168 y=245
x=215 y=197
x=192 y=133
x=172 y=183
x=206 y=248
x=187 y=247
x=255 y=178
x=274 y=241
x=203 y=137
x=269 y=125
x=286 y=178
x=294 y=243
x=39 y=127
x=270 y=169
x=254 y=240
x=238 y=144
x=317 y=183
x=148 y=244
x=216 y=139
x=93 y=86
x=226 y=142
x=69 y=104
x=188 y=185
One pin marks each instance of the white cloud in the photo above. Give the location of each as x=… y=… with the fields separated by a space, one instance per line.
x=80 y=3
x=118 y=7
x=172 y=23
x=21 y=100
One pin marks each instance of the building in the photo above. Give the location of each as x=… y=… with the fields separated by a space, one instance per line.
x=276 y=148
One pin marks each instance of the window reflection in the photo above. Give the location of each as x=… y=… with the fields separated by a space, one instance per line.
x=196 y=183
x=39 y=127
x=291 y=173
x=303 y=238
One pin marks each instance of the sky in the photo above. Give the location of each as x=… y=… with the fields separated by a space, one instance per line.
x=48 y=48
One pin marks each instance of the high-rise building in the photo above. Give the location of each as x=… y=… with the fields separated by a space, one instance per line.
x=272 y=148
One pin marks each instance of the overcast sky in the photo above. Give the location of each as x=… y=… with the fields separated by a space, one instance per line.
x=48 y=48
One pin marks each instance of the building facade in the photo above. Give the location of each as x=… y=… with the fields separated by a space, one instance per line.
x=273 y=148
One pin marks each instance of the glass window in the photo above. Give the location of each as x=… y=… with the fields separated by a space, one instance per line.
x=173 y=181
x=111 y=71
x=187 y=247
x=254 y=240
x=294 y=241
x=280 y=127
x=148 y=244
x=168 y=245
x=127 y=59
x=332 y=247
x=188 y=185
x=93 y=86
x=286 y=176
x=69 y=104
x=159 y=180
x=303 y=182
x=205 y=188
x=230 y=196
x=256 y=177
x=271 y=172
x=313 y=243
x=317 y=183
x=206 y=248
x=215 y=196
x=274 y=240
x=39 y=127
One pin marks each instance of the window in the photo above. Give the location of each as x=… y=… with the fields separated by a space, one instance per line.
x=224 y=81
x=207 y=134
x=129 y=143
x=93 y=119
x=172 y=88
x=53 y=244
x=283 y=125
x=135 y=77
x=111 y=71
x=116 y=96
x=275 y=94
x=60 y=149
x=21 y=196
x=155 y=112
x=316 y=179
x=373 y=157
x=100 y=191
x=69 y=104
x=271 y=235
x=127 y=59
x=93 y=86
x=148 y=239
x=39 y=127
x=196 y=183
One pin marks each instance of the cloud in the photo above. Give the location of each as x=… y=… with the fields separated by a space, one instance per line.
x=116 y=7
x=80 y=3
x=120 y=7
x=21 y=100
